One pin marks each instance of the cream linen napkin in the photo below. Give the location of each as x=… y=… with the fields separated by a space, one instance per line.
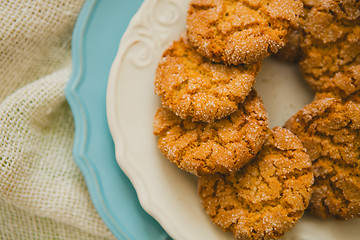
x=42 y=192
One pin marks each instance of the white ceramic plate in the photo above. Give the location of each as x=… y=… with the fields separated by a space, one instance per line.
x=165 y=192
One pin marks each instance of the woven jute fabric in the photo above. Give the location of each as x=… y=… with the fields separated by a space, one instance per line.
x=42 y=192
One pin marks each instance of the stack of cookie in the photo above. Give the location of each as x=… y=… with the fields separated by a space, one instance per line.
x=328 y=52
x=253 y=181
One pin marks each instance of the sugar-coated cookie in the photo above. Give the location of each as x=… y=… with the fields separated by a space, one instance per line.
x=329 y=129
x=193 y=86
x=245 y=31
x=330 y=47
x=222 y=146
x=268 y=196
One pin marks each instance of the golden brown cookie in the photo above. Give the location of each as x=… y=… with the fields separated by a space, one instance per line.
x=265 y=198
x=330 y=46
x=192 y=86
x=222 y=146
x=244 y=31
x=329 y=129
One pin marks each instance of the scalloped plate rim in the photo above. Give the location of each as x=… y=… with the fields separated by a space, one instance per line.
x=78 y=107
x=135 y=178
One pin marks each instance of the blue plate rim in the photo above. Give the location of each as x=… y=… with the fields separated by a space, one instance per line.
x=77 y=106
x=81 y=118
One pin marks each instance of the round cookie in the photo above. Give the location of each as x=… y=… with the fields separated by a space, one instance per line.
x=329 y=129
x=268 y=196
x=222 y=146
x=192 y=86
x=330 y=46
x=237 y=32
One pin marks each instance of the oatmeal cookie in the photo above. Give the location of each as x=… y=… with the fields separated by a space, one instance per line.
x=329 y=129
x=192 y=86
x=268 y=196
x=245 y=31
x=330 y=46
x=222 y=146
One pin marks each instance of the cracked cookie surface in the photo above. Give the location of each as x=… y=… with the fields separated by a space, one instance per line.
x=245 y=31
x=265 y=198
x=222 y=146
x=329 y=129
x=330 y=46
x=192 y=86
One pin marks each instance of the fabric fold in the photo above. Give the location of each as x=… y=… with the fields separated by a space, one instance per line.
x=43 y=194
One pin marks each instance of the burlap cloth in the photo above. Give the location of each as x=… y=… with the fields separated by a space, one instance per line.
x=42 y=192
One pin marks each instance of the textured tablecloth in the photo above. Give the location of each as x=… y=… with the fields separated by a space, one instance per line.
x=42 y=192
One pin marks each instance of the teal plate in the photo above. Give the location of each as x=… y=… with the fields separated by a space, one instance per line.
x=96 y=37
